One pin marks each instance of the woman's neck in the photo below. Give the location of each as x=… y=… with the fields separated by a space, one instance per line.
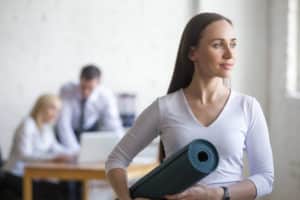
x=206 y=90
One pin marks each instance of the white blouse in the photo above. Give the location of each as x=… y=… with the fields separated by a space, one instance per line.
x=239 y=128
x=32 y=144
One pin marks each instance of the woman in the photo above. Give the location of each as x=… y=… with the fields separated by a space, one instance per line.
x=200 y=105
x=34 y=140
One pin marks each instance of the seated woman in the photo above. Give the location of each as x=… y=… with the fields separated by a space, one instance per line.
x=34 y=140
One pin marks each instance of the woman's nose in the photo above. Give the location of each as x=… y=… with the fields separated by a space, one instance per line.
x=228 y=53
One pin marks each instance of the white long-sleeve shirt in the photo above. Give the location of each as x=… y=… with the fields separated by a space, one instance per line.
x=32 y=144
x=239 y=128
x=101 y=108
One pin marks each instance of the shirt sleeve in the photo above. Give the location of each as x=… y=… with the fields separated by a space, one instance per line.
x=144 y=130
x=259 y=151
x=110 y=117
x=57 y=148
x=64 y=127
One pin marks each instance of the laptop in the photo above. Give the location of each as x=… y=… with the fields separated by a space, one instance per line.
x=96 y=146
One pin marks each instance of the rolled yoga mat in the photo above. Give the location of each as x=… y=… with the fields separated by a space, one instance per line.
x=178 y=172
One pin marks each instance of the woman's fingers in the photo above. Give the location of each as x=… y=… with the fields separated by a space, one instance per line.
x=178 y=196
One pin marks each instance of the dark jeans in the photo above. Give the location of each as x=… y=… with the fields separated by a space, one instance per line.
x=73 y=190
x=11 y=187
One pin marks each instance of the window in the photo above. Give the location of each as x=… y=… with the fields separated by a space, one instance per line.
x=293 y=50
x=298 y=42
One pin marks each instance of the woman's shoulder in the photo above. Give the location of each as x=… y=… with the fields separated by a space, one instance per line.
x=27 y=126
x=29 y=122
x=172 y=97
x=171 y=102
x=69 y=90
x=247 y=102
x=242 y=97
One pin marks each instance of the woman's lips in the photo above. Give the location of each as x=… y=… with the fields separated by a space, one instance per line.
x=227 y=66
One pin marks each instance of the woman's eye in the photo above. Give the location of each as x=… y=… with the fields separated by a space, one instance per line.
x=233 y=45
x=223 y=45
x=217 y=45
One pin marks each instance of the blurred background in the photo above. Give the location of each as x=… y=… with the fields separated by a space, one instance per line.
x=44 y=44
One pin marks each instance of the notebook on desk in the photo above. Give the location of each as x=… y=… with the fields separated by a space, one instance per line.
x=96 y=146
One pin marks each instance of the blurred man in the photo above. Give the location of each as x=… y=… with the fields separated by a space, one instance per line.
x=87 y=106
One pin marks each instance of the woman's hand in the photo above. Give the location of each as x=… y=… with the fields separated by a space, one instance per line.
x=199 y=192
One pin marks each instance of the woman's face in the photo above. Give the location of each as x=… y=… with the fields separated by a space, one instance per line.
x=50 y=114
x=214 y=56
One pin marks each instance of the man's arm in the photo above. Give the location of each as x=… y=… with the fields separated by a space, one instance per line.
x=64 y=128
x=110 y=117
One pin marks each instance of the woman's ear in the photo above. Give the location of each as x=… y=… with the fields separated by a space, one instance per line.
x=192 y=53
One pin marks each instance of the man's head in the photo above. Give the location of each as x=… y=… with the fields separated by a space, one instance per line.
x=89 y=80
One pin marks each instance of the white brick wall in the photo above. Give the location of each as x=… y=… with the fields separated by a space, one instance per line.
x=44 y=44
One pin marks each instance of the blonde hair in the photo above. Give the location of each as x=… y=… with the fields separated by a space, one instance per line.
x=42 y=103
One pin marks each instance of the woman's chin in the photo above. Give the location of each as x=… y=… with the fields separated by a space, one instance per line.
x=225 y=75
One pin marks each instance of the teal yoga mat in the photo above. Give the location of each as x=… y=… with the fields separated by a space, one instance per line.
x=180 y=171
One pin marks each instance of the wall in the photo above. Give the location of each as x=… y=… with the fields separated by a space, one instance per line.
x=45 y=43
x=284 y=115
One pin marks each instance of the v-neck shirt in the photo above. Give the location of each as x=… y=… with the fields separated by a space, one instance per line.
x=194 y=116
x=240 y=127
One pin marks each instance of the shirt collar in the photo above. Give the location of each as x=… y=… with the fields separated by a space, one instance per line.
x=92 y=97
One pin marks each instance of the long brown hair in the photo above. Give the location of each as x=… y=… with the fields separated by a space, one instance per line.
x=184 y=67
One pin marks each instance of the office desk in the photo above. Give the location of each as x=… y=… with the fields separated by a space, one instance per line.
x=80 y=172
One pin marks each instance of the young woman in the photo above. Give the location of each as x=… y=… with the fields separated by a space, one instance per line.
x=34 y=140
x=200 y=105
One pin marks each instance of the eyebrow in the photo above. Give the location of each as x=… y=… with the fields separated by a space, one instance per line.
x=222 y=39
